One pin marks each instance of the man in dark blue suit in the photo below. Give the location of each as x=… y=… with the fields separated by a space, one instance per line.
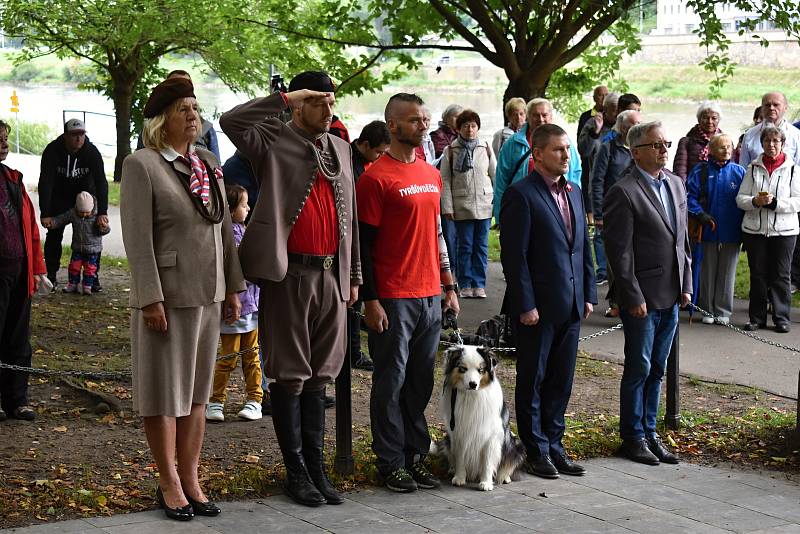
x=546 y=257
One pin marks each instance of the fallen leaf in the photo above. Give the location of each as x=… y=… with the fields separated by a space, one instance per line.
x=60 y=429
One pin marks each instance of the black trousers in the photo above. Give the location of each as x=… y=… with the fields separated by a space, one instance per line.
x=52 y=254
x=15 y=343
x=546 y=355
x=402 y=382
x=770 y=260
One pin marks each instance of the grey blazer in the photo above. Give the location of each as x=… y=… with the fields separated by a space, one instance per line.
x=285 y=166
x=176 y=256
x=650 y=261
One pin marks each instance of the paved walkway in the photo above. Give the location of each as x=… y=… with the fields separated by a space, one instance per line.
x=615 y=496
x=707 y=351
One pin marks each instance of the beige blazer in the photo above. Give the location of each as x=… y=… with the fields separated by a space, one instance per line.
x=175 y=255
x=285 y=166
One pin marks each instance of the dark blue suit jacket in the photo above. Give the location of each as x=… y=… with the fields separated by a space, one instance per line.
x=542 y=269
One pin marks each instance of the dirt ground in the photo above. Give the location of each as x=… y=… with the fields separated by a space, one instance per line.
x=75 y=461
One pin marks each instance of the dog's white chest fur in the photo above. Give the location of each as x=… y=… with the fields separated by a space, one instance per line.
x=480 y=446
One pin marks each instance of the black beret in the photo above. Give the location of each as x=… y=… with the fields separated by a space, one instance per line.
x=313 y=80
x=165 y=94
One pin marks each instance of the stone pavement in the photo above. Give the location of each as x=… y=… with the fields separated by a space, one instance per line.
x=615 y=496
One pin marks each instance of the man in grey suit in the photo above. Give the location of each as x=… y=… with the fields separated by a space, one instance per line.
x=648 y=248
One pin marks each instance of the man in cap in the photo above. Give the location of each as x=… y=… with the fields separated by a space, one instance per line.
x=301 y=247
x=70 y=164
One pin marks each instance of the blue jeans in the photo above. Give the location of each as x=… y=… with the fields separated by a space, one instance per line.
x=473 y=252
x=451 y=239
x=647 y=345
x=599 y=254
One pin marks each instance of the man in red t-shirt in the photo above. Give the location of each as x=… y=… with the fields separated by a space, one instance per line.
x=403 y=265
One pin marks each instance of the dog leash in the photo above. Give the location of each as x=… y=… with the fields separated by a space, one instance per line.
x=453 y=409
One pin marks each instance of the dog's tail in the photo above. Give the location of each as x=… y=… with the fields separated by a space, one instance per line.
x=513 y=457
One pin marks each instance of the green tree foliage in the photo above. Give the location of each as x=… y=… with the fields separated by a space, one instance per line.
x=125 y=40
x=553 y=48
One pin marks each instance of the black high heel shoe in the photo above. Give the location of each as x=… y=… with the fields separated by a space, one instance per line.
x=184 y=513
x=207 y=508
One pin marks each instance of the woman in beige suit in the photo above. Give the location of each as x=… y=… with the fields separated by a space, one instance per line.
x=179 y=242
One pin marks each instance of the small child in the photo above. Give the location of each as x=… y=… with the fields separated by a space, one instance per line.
x=241 y=335
x=87 y=242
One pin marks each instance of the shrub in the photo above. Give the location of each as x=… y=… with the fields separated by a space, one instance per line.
x=33 y=136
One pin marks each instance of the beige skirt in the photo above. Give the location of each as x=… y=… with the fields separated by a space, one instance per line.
x=173 y=370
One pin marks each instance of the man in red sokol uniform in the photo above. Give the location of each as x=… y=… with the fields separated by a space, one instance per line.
x=404 y=263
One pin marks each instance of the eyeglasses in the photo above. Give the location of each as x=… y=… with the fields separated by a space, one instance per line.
x=661 y=145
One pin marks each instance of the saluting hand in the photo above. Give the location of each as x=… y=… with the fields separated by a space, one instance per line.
x=297 y=98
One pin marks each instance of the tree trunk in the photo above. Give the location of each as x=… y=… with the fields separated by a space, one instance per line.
x=122 y=95
x=527 y=85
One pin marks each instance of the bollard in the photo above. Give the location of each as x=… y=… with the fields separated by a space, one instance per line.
x=672 y=416
x=795 y=440
x=344 y=463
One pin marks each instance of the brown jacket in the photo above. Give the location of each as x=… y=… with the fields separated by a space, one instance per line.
x=176 y=256
x=285 y=166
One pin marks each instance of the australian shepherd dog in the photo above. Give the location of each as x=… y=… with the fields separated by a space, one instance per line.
x=479 y=445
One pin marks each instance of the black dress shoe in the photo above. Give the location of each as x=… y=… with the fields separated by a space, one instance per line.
x=541 y=466
x=183 y=513
x=638 y=451
x=662 y=453
x=566 y=466
x=207 y=508
x=3 y=415
x=752 y=327
x=782 y=328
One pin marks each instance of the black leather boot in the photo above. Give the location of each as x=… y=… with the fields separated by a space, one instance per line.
x=286 y=420
x=312 y=408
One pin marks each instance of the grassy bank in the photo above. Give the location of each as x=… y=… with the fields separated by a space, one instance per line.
x=690 y=82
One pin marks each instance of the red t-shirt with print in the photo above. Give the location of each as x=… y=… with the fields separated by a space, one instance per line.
x=402 y=201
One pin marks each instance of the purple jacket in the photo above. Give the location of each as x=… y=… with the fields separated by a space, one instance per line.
x=248 y=297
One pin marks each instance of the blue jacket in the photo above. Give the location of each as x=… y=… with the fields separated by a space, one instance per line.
x=543 y=270
x=238 y=171
x=722 y=187
x=512 y=151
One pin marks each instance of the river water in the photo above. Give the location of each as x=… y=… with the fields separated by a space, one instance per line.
x=51 y=104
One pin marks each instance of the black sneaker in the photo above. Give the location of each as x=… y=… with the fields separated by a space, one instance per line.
x=3 y=415
x=363 y=362
x=423 y=477
x=400 y=480
x=97 y=289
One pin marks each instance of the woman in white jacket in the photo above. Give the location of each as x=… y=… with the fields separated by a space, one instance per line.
x=467 y=168
x=770 y=198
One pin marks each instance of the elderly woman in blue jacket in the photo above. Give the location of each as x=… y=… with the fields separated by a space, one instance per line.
x=711 y=189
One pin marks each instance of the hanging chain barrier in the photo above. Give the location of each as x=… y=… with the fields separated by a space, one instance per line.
x=745 y=332
x=115 y=375
x=100 y=375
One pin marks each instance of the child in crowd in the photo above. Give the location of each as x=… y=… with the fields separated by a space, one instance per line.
x=241 y=335
x=87 y=242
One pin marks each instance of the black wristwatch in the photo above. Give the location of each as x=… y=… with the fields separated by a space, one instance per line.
x=451 y=287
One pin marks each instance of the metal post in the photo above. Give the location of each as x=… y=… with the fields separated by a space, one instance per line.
x=797 y=429
x=672 y=417
x=344 y=463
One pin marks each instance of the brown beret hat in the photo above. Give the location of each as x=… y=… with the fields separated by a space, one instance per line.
x=165 y=94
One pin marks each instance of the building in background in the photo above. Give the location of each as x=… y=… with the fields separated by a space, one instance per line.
x=676 y=17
